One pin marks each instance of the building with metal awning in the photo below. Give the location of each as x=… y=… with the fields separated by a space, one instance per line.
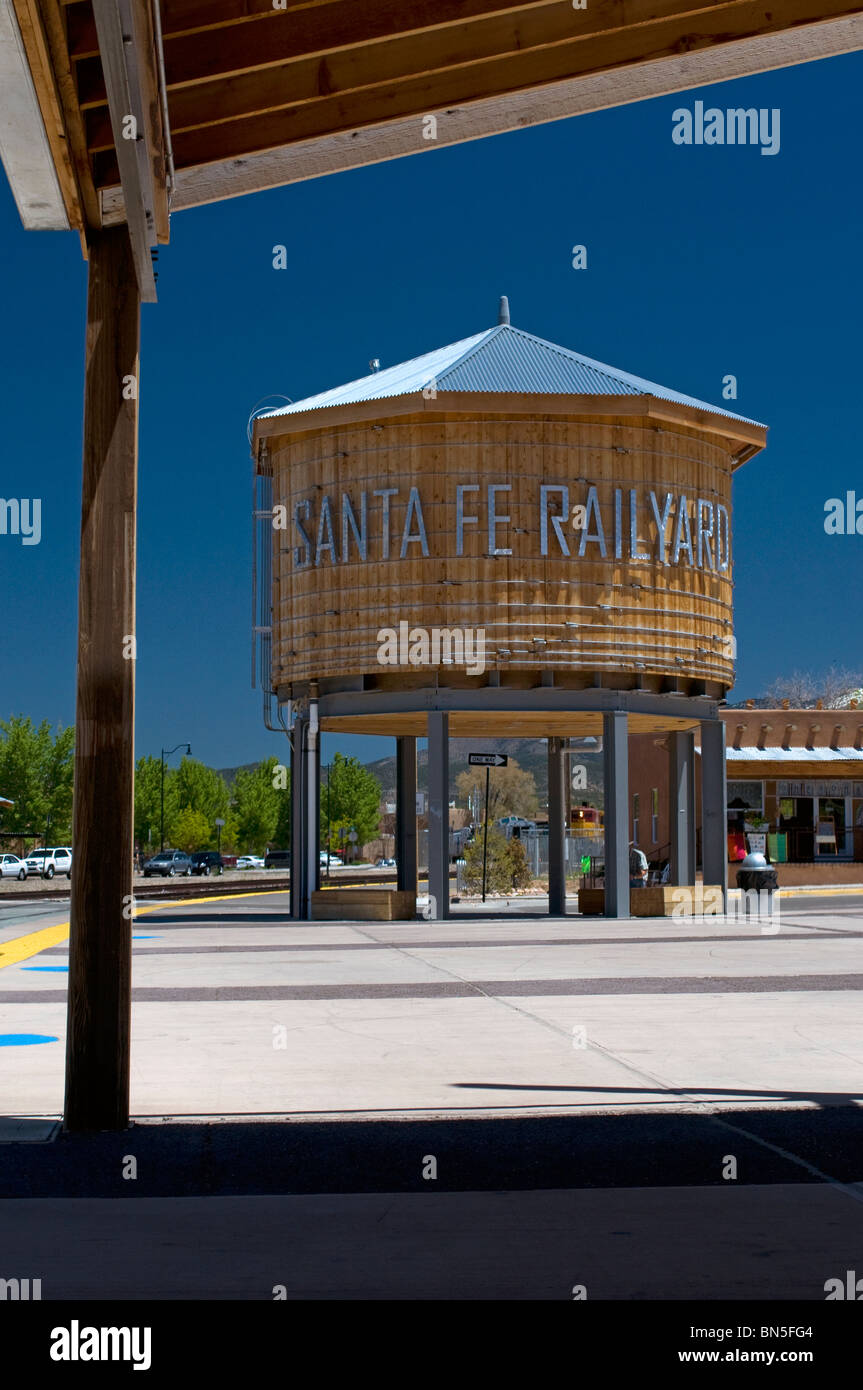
x=794 y=788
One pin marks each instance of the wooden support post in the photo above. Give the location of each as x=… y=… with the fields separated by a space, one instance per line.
x=100 y=939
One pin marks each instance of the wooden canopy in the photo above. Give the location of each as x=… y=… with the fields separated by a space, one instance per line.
x=233 y=96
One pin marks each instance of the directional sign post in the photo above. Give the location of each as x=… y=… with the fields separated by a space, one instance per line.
x=488 y=761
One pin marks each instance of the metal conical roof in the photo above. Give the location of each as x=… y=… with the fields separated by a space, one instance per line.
x=502 y=359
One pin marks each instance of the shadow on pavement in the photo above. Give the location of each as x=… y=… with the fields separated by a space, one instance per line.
x=524 y=1153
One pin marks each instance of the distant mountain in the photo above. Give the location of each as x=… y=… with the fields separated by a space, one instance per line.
x=230 y=773
x=529 y=753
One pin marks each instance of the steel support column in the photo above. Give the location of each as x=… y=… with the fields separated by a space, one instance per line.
x=681 y=805
x=615 y=747
x=100 y=937
x=406 y=814
x=714 y=819
x=557 y=764
x=438 y=816
x=298 y=819
x=312 y=796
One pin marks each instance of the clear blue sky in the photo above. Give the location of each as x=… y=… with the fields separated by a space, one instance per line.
x=703 y=261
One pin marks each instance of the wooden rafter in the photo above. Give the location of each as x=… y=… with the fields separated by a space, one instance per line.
x=259 y=95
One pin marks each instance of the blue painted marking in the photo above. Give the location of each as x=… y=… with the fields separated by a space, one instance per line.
x=146 y=938
x=24 y=1039
x=48 y=969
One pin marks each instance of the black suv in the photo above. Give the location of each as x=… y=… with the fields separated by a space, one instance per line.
x=206 y=861
x=277 y=859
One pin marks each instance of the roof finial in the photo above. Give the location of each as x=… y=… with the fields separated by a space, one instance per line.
x=503 y=311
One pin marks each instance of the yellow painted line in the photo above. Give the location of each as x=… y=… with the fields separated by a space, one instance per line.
x=213 y=898
x=11 y=952
x=848 y=889
x=22 y=947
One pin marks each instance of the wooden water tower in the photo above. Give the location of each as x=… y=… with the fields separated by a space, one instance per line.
x=504 y=538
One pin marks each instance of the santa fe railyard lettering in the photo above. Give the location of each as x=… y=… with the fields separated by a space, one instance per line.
x=664 y=528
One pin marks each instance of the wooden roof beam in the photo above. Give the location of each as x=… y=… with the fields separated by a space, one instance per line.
x=350 y=135
x=326 y=21
x=32 y=134
x=302 y=80
x=530 y=70
x=123 y=27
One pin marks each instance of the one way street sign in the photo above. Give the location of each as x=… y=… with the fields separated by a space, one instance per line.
x=488 y=759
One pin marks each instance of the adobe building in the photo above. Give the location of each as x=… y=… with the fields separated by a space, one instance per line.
x=501 y=538
x=794 y=788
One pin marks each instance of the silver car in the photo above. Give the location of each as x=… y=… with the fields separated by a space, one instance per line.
x=12 y=867
x=168 y=863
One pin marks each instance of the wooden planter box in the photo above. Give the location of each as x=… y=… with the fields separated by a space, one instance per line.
x=666 y=900
x=591 y=901
x=363 y=905
x=658 y=901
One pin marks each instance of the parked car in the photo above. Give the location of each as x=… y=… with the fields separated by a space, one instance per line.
x=250 y=861
x=12 y=867
x=48 y=862
x=277 y=859
x=385 y=863
x=168 y=863
x=206 y=861
x=514 y=827
x=335 y=860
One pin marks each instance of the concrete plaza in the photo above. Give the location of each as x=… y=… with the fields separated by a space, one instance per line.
x=238 y=1012
x=581 y=1086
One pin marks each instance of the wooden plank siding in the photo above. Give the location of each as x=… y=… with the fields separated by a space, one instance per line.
x=660 y=623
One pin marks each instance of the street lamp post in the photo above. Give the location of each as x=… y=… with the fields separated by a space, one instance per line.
x=166 y=753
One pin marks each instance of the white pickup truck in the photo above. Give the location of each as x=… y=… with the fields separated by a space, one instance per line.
x=48 y=862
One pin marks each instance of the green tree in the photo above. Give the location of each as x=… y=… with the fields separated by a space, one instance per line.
x=147 y=802
x=499 y=874
x=255 y=805
x=195 y=785
x=508 y=868
x=282 y=832
x=354 y=801
x=522 y=875
x=190 y=830
x=36 y=774
x=512 y=790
